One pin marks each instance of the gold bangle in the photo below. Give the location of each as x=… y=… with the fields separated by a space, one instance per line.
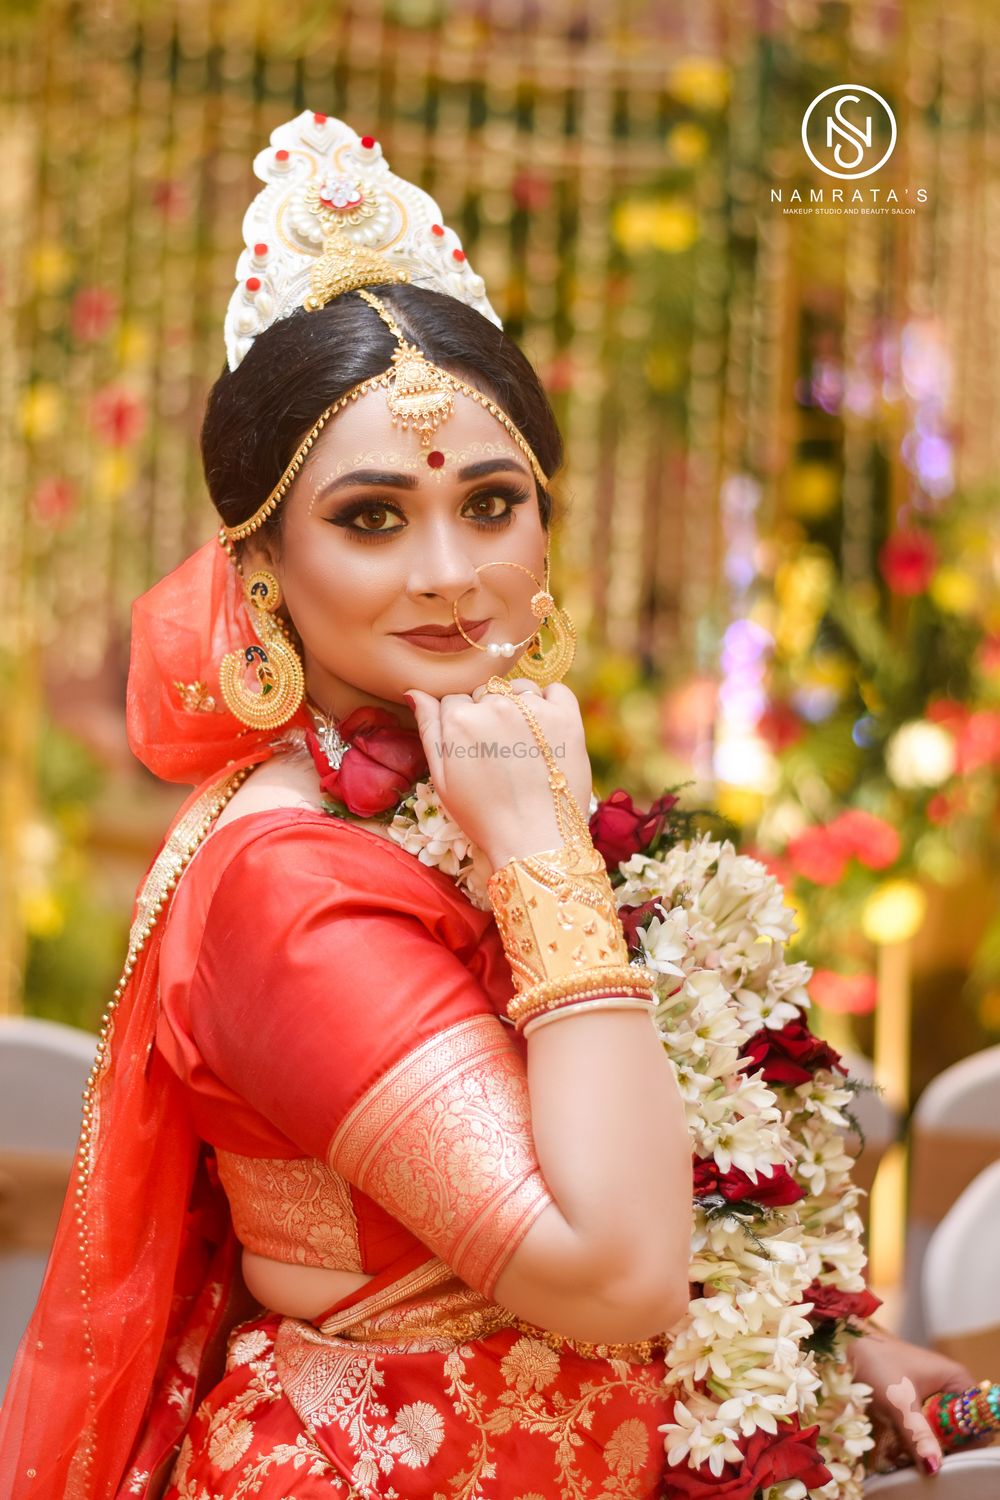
x=555 y=920
x=609 y=980
x=597 y=1002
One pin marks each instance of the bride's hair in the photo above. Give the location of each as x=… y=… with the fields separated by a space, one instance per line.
x=259 y=413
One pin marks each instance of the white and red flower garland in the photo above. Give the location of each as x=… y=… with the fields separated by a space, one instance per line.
x=766 y=1394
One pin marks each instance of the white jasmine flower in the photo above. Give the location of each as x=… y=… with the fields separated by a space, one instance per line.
x=749 y=1411
x=819 y=1155
x=700 y=1440
x=664 y=943
x=473 y=876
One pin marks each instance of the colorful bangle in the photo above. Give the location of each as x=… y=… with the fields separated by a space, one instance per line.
x=959 y=1417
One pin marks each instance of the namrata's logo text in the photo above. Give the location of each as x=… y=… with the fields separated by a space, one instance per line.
x=849 y=131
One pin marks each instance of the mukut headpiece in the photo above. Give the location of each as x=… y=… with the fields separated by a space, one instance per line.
x=334 y=219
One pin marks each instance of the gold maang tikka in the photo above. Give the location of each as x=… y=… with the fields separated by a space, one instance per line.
x=418 y=393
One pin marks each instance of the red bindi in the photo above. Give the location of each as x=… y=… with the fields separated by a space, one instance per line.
x=435 y=458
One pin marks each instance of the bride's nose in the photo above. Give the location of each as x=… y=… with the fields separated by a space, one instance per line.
x=442 y=565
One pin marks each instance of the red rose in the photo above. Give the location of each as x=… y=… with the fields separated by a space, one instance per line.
x=790 y=1056
x=988 y=655
x=620 y=830
x=870 y=839
x=908 y=561
x=940 y=809
x=828 y=1302
x=634 y=917
x=978 y=741
x=735 y=1185
x=531 y=191
x=93 y=312
x=769 y=1458
x=948 y=712
x=383 y=762
x=53 y=500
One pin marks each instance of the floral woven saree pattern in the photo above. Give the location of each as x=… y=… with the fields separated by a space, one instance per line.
x=505 y=1417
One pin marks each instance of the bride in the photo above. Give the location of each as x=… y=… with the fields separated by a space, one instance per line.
x=384 y=1185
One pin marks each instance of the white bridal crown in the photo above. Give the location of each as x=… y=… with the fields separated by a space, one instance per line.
x=332 y=217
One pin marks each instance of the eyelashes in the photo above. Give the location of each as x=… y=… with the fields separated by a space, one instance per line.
x=349 y=513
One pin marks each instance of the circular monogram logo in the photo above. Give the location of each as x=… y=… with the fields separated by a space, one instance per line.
x=849 y=131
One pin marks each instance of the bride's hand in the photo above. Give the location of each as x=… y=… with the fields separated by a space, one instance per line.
x=902 y=1376
x=487 y=768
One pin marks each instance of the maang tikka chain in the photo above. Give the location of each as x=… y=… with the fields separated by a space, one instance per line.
x=419 y=394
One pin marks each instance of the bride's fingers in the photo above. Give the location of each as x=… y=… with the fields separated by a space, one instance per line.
x=427 y=712
x=915 y=1433
x=558 y=692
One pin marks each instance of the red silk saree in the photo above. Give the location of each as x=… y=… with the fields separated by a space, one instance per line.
x=305 y=1055
x=333 y=1007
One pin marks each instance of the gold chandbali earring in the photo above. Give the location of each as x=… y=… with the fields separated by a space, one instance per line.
x=278 y=669
x=541 y=665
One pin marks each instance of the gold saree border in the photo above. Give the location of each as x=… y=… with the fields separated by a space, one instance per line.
x=293 y=1209
x=430 y=1274
x=443 y=1141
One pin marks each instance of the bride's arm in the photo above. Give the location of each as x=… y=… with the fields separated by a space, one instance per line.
x=608 y=1259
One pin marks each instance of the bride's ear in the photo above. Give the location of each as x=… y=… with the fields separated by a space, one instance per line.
x=254 y=554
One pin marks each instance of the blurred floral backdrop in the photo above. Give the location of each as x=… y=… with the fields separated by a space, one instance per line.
x=782 y=541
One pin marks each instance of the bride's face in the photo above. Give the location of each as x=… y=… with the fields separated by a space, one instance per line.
x=377 y=543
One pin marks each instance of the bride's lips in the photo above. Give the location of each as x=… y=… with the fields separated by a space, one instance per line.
x=444 y=638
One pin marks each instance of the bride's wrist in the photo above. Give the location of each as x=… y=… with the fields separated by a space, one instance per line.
x=534 y=837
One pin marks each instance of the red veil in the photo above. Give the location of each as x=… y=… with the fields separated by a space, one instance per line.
x=144 y=1265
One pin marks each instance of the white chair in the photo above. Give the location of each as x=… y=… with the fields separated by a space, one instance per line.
x=955 y=1134
x=961 y=1291
x=43 y=1070
x=974 y=1475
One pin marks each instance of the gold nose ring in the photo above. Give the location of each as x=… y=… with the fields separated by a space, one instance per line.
x=542 y=605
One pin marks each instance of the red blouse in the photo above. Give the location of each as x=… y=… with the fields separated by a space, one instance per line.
x=333 y=1006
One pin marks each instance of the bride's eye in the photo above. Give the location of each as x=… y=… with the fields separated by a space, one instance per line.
x=375 y=518
x=366 y=519
x=482 y=507
x=495 y=507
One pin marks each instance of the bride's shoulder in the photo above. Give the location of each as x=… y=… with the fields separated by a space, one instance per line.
x=276 y=820
x=281 y=782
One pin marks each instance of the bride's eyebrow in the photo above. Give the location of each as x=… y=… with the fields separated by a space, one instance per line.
x=398 y=480
x=383 y=478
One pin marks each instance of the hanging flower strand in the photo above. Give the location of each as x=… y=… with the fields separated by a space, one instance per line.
x=767 y=1406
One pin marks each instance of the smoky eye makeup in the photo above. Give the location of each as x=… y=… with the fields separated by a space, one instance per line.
x=390 y=515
